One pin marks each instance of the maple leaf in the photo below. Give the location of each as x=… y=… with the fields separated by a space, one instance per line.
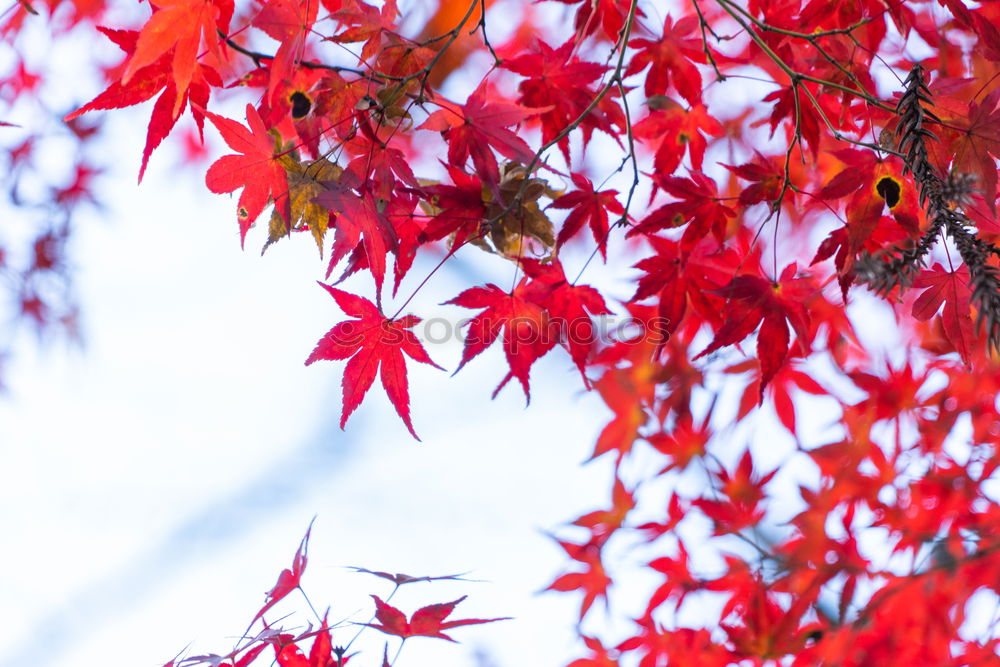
x=371 y=342
x=679 y=581
x=606 y=15
x=952 y=289
x=457 y=209
x=603 y=523
x=677 y=276
x=569 y=308
x=256 y=169
x=477 y=125
x=974 y=141
x=588 y=206
x=767 y=177
x=674 y=132
x=378 y=165
x=698 y=206
x=179 y=25
x=670 y=59
x=753 y=301
x=527 y=335
x=400 y=579
x=874 y=185
x=288 y=22
x=147 y=83
x=368 y=25
x=593 y=581
x=359 y=214
x=787 y=378
x=288 y=580
x=795 y=105
x=558 y=81
x=426 y=622
x=305 y=183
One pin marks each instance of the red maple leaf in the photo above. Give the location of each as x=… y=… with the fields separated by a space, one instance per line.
x=674 y=131
x=671 y=59
x=609 y=16
x=753 y=301
x=368 y=24
x=562 y=84
x=179 y=25
x=873 y=185
x=974 y=140
x=527 y=335
x=426 y=622
x=359 y=214
x=801 y=113
x=593 y=581
x=766 y=176
x=588 y=206
x=569 y=308
x=698 y=206
x=371 y=342
x=678 y=276
x=952 y=289
x=461 y=208
x=255 y=169
x=144 y=85
x=288 y=22
x=288 y=580
x=477 y=125
x=379 y=164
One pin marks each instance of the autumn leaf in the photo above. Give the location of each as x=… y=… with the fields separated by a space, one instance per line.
x=305 y=183
x=456 y=209
x=361 y=227
x=562 y=84
x=755 y=301
x=974 y=142
x=476 y=126
x=873 y=185
x=371 y=342
x=603 y=523
x=593 y=581
x=426 y=622
x=570 y=308
x=368 y=24
x=256 y=168
x=677 y=277
x=288 y=22
x=527 y=335
x=952 y=289
x=288 y=580
x=670 y=59
x=698 y=205
x=146 y=83
x=586 y=205
x=179 y=25
x=766 y=177
x=674 y=132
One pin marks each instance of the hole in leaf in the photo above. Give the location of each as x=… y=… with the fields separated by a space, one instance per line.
x=301 y=104
x=889 y=189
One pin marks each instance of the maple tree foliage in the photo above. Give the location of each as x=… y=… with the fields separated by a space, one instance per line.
x=800 y=196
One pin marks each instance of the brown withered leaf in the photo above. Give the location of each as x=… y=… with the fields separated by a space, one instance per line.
x=524 y=229
x=305 y=182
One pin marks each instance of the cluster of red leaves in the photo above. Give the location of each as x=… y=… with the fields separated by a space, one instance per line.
x=861 y=536
x=427 y=621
